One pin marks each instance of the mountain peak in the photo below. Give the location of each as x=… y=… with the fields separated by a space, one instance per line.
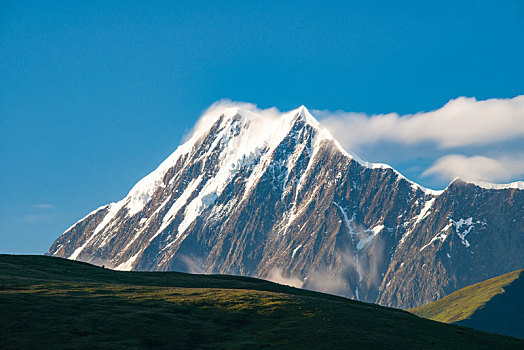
x=245 y=132
x=304 y=114
x=247 y=114
x=271 y=194
x=303 y=111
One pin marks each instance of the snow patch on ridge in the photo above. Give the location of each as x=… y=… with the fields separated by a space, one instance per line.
x=141 y=193
x=347 y=221
x=362 y=242
x=423 y=214
x=113 y=210
x=259 y=137
x=179 y=203
x=296 y=250
x=465 y=222
x=443 y=235
x=374 y=231
x=425 y=211
x=519 y=185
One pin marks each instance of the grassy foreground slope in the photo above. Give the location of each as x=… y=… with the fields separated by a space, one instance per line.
x=50 y=302
x=496 y=305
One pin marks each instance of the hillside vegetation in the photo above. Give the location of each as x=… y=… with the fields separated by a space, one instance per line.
x=464 y=302
x=48 y=302
x=495 y=305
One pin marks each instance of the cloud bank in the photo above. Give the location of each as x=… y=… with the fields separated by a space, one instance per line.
x=478 y=168
x=460 y=122
x=466 y=138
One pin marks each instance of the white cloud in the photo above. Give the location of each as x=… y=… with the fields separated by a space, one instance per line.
x=461 y=122
x=477 y=168
x=220 y=107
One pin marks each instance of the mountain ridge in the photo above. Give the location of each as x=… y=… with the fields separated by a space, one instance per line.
x=275 y=196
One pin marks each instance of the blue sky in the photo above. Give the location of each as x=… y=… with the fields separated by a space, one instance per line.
x=95 y=94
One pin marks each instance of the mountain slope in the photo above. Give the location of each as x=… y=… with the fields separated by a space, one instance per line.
x=276 y=197
x=494 y=305
x=471 y=234
x=50 y=302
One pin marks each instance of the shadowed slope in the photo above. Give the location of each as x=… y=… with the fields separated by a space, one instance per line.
x=495 y=305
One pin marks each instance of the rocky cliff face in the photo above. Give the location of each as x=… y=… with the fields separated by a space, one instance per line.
x=278 y=198
x=468 y=235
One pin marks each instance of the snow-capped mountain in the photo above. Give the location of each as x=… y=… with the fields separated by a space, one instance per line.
x=275 y=196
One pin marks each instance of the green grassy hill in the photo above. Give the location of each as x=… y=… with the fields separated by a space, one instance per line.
x=54 y=303
x=495 y=305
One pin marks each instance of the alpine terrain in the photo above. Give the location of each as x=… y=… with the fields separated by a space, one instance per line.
x=270 y=195
x=54 y=303
x=494 y=305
